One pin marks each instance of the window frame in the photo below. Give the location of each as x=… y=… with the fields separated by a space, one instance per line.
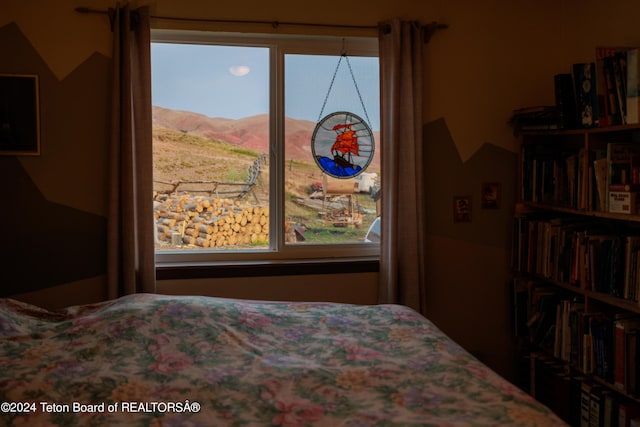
x=279 y=46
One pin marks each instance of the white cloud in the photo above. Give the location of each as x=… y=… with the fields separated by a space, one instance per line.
x=239 y=70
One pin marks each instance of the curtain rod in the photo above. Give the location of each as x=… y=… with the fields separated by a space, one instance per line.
x=429 y=29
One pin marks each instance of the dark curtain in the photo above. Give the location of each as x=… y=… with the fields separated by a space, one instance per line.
x=130 y=246
x=402 y=269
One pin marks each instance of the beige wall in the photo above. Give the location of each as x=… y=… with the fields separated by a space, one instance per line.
x=73 y=293
x=496 y=56
x=352 y=289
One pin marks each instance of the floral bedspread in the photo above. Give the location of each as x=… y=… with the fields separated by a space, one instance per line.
x=153 y=360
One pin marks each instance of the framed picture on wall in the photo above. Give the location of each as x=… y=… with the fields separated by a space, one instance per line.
x=490 y=195
x=462 y=209
x=19 y=114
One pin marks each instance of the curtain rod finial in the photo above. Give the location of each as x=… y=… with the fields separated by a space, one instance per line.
x=431 y=28
x=88 y=10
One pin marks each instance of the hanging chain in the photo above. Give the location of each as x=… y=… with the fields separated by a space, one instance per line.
x=333 y=79
x=353 y=77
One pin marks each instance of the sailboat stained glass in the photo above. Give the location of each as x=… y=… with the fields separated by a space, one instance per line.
x=342 y=142
x=342 y=145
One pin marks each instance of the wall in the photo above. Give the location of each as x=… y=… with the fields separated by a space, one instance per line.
x=352 y=289
x=54 y=204
x=495 y=56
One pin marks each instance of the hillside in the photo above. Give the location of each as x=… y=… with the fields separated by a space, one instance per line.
x=249 y=133
x=192 y=147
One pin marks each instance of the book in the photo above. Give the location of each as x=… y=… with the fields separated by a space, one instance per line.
x=604 y=259
x=617 y=66
x=532 y=109
x=609 y=409
x=634 y=278
x=622 y=175
x=585 y=404
x=632 y=250
x=605 y=86
x=633 y=86
x=632 y=361
x=567 y=309
x=602 y=342
x=584 y=77
x=627 y=411
x=623 y=202
x=617 y=268
x=600 y=175
x=619 y=163
x=554 y=386
x=596 y=413
x=557 y=343
x=565 y=100
x=538 y=117
x=575 y=397
x=620 y=362
x=625 y=187
x=543 y=318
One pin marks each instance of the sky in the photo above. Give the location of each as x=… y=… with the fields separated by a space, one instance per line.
x=233 y=82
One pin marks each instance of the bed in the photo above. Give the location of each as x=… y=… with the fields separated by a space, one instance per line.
x=158 y=360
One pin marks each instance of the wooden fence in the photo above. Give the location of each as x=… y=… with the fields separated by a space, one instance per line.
x=235 y=190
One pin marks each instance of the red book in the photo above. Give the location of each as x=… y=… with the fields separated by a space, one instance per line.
x=626 y=412
x=601 y=84
x=622 y=326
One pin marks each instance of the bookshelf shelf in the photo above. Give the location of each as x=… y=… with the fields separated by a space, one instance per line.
x=595 y=214
x=588 y=131
x=621 y=303
x=576 y=259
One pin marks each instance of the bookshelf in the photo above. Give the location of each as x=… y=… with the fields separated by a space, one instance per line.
x=576 y=258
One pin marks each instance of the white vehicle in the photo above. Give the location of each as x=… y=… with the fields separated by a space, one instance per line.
x=365 y=182
x=373 y=234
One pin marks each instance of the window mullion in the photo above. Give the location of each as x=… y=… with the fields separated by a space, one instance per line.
x=276 y=163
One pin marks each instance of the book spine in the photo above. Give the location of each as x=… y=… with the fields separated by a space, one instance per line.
x=595 y=407
x=620 y=373
x=615 y=115
x=586 y=97
x=585 y=405
x=633 y=86
x=607 y=103
x=619 y=76
x=565 y=101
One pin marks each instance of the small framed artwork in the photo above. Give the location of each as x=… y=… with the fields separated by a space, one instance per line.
x=462 y=209
x=19 y=115
x=490 y=195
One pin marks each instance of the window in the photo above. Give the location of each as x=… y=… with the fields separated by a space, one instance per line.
x=234 y=170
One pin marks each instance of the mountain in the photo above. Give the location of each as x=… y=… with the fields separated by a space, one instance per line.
x=249 y=132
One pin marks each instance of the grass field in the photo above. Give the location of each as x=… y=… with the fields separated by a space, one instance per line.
x=182 y=157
